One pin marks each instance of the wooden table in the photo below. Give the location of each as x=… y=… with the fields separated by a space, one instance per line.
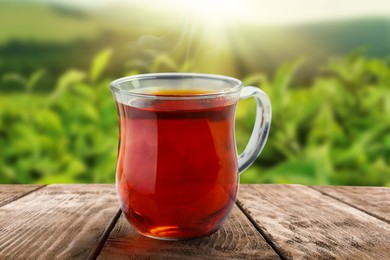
x=268 y=222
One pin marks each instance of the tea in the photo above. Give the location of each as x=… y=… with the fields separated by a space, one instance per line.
x=177 y=168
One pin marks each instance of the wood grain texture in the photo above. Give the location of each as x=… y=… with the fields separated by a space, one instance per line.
x=56 y=222
x=237 y=239
x=9 y=193
x=302 y=223
x=372 y=200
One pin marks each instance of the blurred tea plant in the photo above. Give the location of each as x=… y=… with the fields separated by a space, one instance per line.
x=67 y=135
x=335 y=131
x=332 y=131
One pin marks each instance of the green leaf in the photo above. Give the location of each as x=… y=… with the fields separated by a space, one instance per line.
x=278 y=92
x=292 y=172
x=284 y=75
x=68 y=79
x=34 y=78
x=47 y=119
x=99 y=63
x=14 y=77
x=319 y=156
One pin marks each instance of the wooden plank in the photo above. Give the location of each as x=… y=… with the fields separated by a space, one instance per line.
x=302 y=223
x=57 y=221
x=9 y=193
x=372 y=200
x=238 y=238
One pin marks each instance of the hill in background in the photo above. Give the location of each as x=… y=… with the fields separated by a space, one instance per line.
x=56 y=38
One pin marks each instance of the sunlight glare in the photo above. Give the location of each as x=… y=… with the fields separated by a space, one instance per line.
x=221 y=10
x=212 y=12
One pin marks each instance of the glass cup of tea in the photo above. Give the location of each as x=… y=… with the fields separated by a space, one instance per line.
x=177 y=169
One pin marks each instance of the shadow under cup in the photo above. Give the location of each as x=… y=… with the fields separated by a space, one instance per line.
x=177 y=169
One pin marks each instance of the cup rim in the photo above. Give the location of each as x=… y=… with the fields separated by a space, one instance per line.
x=238 y=85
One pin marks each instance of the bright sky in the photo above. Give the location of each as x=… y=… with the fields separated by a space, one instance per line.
x=259 y=11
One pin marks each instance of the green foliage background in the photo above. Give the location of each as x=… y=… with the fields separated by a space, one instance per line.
x=58 y=121
x=333 y=131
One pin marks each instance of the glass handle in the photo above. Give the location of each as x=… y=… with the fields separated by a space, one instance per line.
x=260 y=130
